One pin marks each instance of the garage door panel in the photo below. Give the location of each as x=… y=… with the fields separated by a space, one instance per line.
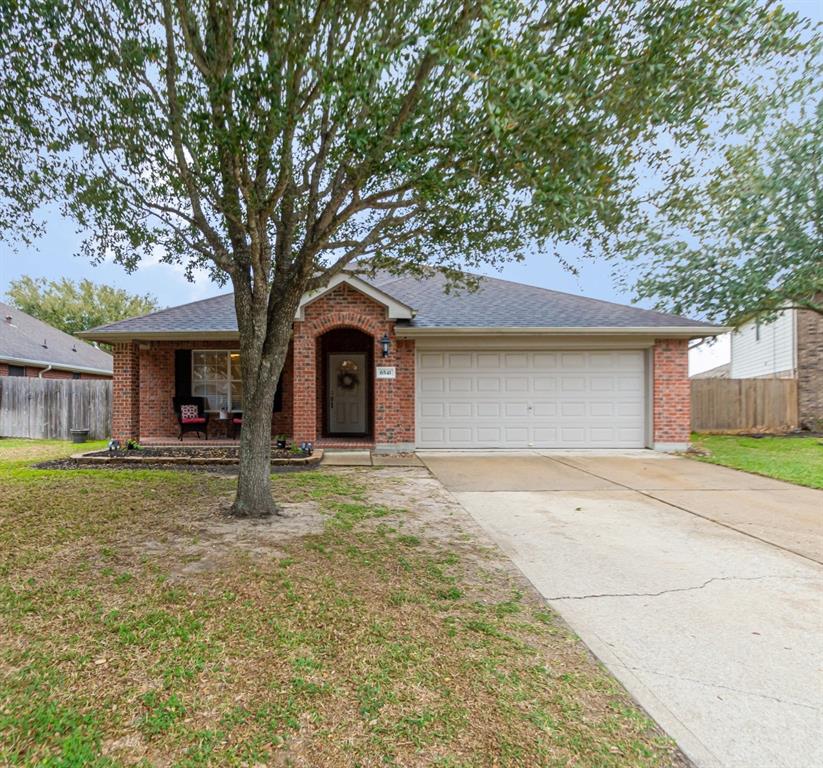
x=628 y=410
x=545 y=361
x=545 y=435
x=460 y=384
x=432 y=435
x=460 y=361
x=432 y=410
x=491 y=435
x=432 y=384
x=573 y=435
x=488 y=384
x=485 y=410
x=516 y=360
x=431 y=361
x=543 y=399
x=488 y=360
x=516 y=435
x=516 y=384
x=573 y=383
x=546 y=383
x=573 y=409
x=459 y=410
x=602 y=383
x=516 y=410
x=460 y=435
x=544 y=409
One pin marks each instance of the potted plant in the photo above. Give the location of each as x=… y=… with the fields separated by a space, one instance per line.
x=281 y=441
x=79 y=435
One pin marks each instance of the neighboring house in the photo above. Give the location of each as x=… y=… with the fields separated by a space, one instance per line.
x=30 y=347
x=791 y=347
x=718 y=372
x=397 y=363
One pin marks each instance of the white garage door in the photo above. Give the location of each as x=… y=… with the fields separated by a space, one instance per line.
x=551 y=399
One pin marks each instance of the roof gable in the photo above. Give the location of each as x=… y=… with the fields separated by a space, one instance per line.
x=397 y=310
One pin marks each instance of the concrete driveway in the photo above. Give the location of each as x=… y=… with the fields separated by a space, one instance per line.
x=698 y=586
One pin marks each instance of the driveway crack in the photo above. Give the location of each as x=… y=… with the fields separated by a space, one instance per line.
x=722 y=687
x=669 y=591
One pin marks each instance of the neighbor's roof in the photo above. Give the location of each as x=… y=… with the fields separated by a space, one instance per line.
x=27 y=341
x=498 y=305
x=721 y=371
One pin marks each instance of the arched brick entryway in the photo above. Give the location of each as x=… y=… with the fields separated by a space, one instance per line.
x=392 y=408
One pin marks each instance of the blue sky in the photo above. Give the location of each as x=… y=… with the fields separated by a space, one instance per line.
x=54 y=257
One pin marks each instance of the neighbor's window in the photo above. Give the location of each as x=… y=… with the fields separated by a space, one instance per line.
x=216 y=376
x=17 y=370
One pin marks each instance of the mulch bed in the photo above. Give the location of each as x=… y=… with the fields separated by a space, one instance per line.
x=229 y=470
x=179 y=457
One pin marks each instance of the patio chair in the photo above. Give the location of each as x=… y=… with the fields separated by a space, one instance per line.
x=191 y=415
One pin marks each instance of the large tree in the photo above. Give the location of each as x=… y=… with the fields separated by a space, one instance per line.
x=737 y=230
x=274 y=142
x=76 y=306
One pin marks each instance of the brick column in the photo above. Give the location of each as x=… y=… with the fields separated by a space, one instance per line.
x=810 y=369
x=671 y=392
x=125 y=418
x=394 y=398
x=304 y=393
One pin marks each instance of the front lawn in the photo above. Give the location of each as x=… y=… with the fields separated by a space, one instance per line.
x=794 y=459
x=139 y=626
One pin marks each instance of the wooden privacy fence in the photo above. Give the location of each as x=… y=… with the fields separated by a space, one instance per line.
x=51 y=408
x=744 y=404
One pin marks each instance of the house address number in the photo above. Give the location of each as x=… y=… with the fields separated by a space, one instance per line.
x=386 y=372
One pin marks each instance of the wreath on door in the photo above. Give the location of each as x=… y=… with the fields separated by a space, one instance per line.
x=347 y=380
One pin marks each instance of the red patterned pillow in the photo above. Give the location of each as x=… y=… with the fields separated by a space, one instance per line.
x=189 y=412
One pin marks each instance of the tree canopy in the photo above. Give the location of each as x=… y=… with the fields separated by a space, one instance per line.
x=737 y=232
x=76 y=306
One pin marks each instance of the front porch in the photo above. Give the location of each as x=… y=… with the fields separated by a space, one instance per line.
x=328 y=394
x=363 y=444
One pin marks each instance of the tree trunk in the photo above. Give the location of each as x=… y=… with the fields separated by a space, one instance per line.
x=264 y=343
x=254 y=496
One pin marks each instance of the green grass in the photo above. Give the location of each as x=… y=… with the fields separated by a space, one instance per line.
x=140 y=627
x=793 y=459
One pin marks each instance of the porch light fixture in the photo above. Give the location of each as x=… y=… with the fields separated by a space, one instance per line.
x=385 y=342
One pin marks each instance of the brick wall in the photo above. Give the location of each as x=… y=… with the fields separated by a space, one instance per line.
x=125 y=417
x=343 y=307
x=671 y=405
x=157 y=388
x=810 y=369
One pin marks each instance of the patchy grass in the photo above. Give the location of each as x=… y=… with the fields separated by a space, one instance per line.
x=793 y=459
x=139 y=627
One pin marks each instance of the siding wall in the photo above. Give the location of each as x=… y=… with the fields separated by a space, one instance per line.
x=771 y=354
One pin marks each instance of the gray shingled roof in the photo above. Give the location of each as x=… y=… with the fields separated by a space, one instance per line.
x=25 y=339
x=504 y=304
x=497 y=304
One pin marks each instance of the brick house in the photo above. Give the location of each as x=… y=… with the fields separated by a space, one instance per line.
x=30 y=347
x=397 y=363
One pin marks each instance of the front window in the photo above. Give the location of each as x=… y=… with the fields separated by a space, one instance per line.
x=216 y=376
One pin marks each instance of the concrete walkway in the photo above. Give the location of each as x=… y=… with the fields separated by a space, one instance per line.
x=698 y=586
x=348 y=458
